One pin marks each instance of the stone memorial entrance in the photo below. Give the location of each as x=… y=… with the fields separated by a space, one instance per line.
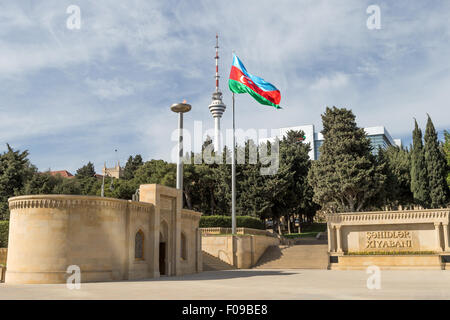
x=391 y=239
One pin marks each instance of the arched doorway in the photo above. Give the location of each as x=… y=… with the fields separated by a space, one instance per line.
x=162 y=258
x=163 y=248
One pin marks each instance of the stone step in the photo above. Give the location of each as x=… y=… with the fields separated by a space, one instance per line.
x=211 y=263
x=309 y=255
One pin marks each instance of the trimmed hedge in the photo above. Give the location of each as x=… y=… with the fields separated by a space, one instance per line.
x=4 y=229
x=225 y=222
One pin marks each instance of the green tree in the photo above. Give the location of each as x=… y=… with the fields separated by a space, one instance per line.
x=285 y=193
x=298 y=197
x=133 y=163
x=397 y=168
x=346 y=176
x=277 y=187
x=88 y=186
x=121 y=188
x=86 y=171
x=446 y=149
x=199 y=182
x=222 y=187
x=156 y=171
x=252 y=198
x=419 y=177
x=42 y=183
x=15 y=171
x=68 y=186
x=436 y=168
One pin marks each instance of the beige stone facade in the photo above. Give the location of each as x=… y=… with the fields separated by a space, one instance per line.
x=410 y=239
x=108 y=239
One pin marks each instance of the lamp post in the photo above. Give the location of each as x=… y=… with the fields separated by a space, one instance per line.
x=180 y=108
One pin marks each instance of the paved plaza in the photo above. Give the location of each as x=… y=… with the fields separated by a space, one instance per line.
x=252 y=284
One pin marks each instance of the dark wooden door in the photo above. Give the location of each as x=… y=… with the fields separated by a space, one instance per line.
x=162 y=258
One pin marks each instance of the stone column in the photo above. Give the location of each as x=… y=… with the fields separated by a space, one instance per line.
x=330 y=239
x=338 y=239
x=446 y=237
x=437 y=227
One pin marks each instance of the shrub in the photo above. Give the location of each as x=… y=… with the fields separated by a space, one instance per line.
x=225 y=222
x=4 y=230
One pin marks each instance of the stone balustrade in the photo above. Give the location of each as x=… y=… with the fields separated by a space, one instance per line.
x=389 y=217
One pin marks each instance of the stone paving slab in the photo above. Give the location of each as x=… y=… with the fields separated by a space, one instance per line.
x=252 y=284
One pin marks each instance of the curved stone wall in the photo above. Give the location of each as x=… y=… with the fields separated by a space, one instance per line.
x=49 y=233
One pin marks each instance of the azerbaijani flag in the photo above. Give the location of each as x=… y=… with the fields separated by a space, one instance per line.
x=243 y=82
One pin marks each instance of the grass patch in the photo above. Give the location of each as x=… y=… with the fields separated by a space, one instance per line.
x=388 y=253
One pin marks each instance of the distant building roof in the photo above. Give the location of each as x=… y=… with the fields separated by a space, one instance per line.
x=62 y=173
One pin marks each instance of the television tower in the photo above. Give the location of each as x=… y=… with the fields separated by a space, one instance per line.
x=217 y=107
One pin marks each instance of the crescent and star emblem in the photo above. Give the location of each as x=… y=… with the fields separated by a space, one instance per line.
x=248 y=81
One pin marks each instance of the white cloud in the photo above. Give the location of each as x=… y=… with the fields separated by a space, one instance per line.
x=109 y=89
x=335 y=81
x=140 y=56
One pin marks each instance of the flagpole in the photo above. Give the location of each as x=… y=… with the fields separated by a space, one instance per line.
x=233 y=180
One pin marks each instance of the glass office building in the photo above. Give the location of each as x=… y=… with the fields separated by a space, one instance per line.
x=379 y=137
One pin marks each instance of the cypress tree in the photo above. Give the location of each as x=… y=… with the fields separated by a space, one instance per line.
x=346 y=177
x=446 y=148
x=419 y=178
x=133 y=163
x=436 y=167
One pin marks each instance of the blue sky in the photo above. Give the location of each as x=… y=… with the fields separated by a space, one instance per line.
x=73 y=96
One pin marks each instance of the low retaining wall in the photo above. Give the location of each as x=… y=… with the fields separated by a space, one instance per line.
x=392 y=239
x=241 y=251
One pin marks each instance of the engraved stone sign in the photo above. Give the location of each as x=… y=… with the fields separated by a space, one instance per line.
x=388 y=239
